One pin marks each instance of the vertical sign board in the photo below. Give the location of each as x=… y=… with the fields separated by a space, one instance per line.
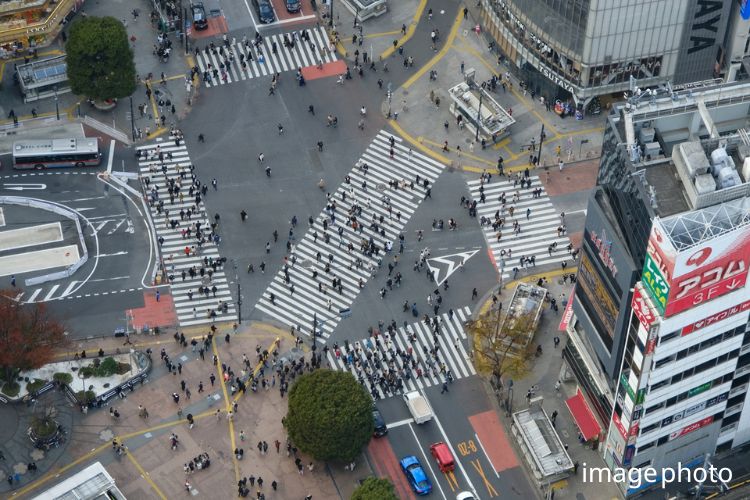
x=658 y=266
x=642 y=309
x=709 y=270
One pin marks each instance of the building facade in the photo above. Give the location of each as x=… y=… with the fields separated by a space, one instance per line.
x=30 y=24
x=682 y=390
x=580 y=49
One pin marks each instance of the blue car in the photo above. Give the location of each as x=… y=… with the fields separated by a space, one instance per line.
x=418 y=480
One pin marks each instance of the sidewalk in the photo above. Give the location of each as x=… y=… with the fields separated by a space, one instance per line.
x=70 y=105
x=150 y=468
x=423 y=120
x=545 y=372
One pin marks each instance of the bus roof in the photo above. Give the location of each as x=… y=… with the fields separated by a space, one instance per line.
x=49 y=146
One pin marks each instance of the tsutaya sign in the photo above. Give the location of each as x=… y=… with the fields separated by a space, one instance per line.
x=557 y=79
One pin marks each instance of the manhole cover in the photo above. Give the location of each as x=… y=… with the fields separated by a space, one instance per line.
x=381 y=187
x=307 y=264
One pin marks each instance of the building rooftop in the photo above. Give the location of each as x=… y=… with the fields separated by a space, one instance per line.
x=527 y=301
x=92 y=483
x=540 y=438
x=691 y=228
x=42 y=72
x=495 y=119
x=688 y=147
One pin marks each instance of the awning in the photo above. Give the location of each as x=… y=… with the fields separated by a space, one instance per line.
x=568 y=313
x=583 y=416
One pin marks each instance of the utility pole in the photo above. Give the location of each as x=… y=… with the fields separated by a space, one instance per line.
x=541 y=142
x=330 y=13
x=479 y=114
x=132 y=119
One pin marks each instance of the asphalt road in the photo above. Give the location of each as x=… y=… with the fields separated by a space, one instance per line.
x=93 y=300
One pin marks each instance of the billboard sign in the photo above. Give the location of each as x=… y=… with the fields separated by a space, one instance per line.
x=716 y=317
x=642 y=309
x=656 y=283
x=692 y=427
x=620 y=427
x=708 y=271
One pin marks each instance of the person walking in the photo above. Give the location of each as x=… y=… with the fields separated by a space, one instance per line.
x=444 y=388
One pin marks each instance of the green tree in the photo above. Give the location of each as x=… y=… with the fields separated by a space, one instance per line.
x=374 y=488
x=99 y=58
x=329 y=415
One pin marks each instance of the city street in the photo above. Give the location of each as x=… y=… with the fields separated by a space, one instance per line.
x=326 y=215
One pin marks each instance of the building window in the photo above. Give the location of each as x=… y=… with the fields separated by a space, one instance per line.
x=646 y=447
x=643 y=464
x=662 y=440
x=659 y=385
x=669 y=336
x=650 y=428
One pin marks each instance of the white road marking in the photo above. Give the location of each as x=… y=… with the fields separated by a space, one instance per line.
x=69 y=289
x=111 y=155
x=486 y=455
x=51 y=292
x=427 y=462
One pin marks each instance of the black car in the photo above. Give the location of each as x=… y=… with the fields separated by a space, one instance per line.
x=293 y=5
x=199 y=16
x=380 y=428
x=265 y=11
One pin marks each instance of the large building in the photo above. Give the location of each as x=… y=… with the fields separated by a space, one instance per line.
x=580 y=49
x=29 y=24
x=662 y=178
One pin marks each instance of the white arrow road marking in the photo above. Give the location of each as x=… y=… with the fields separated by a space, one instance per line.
x=454 y=261
x=22 y=186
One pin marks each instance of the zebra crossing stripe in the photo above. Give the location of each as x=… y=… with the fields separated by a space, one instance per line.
x=303 y=54
x=310 y=297
x=537 y=233
x=173 y=248
x=451 y=354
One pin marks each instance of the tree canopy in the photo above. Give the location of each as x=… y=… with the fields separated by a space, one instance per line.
x=374 y=488
x=329 y=415
x=501 y=347
x=99 y=58
x=28 y=335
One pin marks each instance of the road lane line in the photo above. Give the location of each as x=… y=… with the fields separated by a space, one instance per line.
x=111 y=156
x=69 y=289
x=51 y=292
x=455 y=456
x=427 y=462
x=400 y=423
x=485 y=454
x=33 y=295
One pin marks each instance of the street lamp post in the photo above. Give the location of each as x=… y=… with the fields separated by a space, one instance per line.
x=330 y=13
x=541 y=142
x=132 y=119
x=57 y=105
x=479 y=114
x=239 y=293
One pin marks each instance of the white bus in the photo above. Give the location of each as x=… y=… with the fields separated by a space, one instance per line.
x=51 y=153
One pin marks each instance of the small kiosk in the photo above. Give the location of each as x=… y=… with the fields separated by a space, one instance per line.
x=478 y=109
x=43 y=78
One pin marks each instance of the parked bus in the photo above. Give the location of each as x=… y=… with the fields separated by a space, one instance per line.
x=51 y=153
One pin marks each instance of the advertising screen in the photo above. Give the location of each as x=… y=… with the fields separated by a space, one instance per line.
x=599 y=298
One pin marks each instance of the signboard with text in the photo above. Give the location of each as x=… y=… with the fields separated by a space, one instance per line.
x=656 y=283
x=642 y=309
x=709 y=270
x=692 y=427
x=716 y=317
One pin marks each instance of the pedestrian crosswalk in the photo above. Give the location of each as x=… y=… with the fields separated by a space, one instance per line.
x=389 y=187
x=404 y=360
x=243 y=60
x=539 y=229
x=201 y=295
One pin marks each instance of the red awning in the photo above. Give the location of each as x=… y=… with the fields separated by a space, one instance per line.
x=583 y=416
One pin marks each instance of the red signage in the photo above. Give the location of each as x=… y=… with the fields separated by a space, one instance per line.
x=692 y=427
x=642 y=309
x=618 y=424
x=568 y=313
x=703 y=274
x=716 y=317
x=634 y=430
